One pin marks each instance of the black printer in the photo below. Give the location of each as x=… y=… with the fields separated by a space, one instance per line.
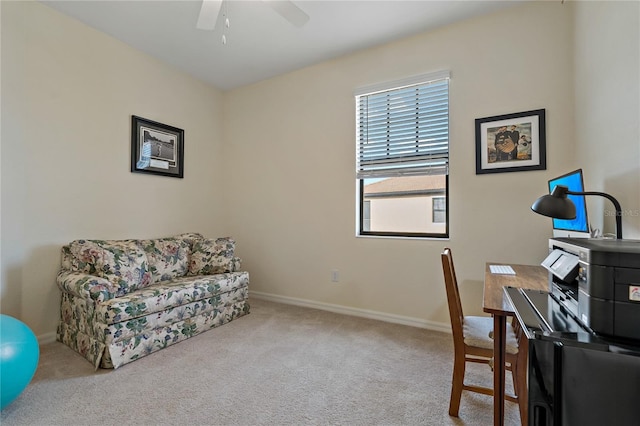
x=584 y=334
x=598 y=281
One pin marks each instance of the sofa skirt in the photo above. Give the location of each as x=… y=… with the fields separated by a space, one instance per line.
x=112 y=353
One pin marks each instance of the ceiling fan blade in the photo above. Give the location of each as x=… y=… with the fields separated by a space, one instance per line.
x=209 y=14
x=289 y=11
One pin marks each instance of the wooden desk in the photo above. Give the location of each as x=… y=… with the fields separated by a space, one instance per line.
x=527 y=276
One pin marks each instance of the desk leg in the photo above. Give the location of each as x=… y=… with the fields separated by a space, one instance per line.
x=499 y=340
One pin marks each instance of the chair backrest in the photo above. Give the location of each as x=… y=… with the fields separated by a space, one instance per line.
x=453 y=296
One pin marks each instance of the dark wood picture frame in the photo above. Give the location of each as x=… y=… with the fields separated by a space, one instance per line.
x=498 y=152
x=156 y=148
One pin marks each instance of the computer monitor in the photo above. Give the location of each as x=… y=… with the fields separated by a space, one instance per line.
x=578 y=227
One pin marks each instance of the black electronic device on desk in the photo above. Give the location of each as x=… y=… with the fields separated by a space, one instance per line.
x=584 y=334
x=598 y=280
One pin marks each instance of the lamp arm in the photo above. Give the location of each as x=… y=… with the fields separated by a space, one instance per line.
x=616 y=204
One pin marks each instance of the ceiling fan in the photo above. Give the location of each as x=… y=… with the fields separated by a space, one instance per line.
x=287 y=9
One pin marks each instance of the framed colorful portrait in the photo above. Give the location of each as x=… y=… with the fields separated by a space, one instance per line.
x=511 y=143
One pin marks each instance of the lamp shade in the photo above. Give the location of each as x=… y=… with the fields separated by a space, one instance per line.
x=556 y=204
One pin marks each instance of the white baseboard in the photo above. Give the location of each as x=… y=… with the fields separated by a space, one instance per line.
x=346 y=310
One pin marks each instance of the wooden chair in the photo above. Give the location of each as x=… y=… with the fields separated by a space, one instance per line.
x=472 y=343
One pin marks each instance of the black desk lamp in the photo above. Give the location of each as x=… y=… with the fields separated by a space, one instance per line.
x=558 y=206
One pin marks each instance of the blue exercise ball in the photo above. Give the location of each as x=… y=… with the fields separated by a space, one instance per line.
x=19 y=353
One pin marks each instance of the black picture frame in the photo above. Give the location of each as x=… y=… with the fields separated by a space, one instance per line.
x=156 y=148
x=497 y=152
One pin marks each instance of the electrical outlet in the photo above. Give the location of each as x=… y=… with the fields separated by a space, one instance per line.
x=335 y=276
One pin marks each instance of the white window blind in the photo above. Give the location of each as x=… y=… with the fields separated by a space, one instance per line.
x=404 y=130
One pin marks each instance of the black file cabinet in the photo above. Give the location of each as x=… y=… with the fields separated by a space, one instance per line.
x=575 y=377
x=581 y=384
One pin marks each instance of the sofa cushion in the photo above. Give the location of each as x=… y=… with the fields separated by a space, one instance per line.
x=168 y=258
x=122 y=262
x=109 y=333
x=166 y=295
x=211 y=256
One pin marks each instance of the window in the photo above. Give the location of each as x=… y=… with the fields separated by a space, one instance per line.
x=366 y=215
x=439 y=210
x=402 y=157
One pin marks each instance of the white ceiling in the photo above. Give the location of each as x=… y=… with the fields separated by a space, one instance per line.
x=260 y=43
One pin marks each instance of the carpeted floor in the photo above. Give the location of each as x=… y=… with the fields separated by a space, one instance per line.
x=280 y=365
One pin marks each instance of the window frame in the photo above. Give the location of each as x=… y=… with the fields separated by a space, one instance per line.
x=391 y=86
x=363 y=233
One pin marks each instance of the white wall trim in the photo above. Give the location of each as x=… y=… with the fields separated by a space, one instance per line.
x=409 y=81
x=346 y=310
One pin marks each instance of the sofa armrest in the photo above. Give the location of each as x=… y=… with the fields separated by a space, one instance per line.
x=86 y=286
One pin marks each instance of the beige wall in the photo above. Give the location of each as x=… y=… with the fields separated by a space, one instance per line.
x=405 y=214
x=68 y=93
x=287 y=145
x=607 y=108
x=291 y=140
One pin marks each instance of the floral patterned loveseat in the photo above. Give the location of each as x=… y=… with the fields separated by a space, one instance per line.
x=124 y=299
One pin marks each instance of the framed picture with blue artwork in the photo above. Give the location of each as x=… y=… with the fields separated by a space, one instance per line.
x=511 y=143
x=156 y=148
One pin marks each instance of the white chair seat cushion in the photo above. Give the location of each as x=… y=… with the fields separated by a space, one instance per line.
x=476 y=333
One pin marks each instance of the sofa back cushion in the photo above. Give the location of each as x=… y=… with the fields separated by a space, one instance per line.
x=168 y=257
x=213 y=256
x=190 y=238
x=122 y=262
